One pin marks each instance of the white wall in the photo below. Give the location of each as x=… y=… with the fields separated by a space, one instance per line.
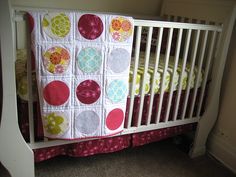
x=142 y=9
x=136 y=7
x=222 y=142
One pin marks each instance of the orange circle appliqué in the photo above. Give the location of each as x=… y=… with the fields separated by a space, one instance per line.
x=121 y=29
x=56 y=60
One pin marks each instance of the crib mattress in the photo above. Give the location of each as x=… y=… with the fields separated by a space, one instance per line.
x=158 y=78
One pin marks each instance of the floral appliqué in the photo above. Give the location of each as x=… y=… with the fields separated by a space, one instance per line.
x=121 y=29
x=56 y=25
x=55 y=124
x=56 y=60
x=116 y=24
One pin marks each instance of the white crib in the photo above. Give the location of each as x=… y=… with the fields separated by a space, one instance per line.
x=204 y=32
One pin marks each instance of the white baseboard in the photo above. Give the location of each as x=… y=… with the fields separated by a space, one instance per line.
x=222 y=151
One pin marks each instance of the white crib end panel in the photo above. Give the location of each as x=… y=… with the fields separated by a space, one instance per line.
x=13 y=147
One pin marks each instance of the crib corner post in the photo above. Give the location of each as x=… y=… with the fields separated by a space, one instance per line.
x=208 y=119
x=199 y=144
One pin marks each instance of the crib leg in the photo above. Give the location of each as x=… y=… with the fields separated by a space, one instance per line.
x=199 y=145
x=204 y=127
x=16 y=156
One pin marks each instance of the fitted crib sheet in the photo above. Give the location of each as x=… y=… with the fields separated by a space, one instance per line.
x=168 y=76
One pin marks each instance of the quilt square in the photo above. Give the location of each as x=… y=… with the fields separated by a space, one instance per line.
x=88 y=90
x=57 y=124
x=116 y=90
x=120 y=29
x=90 y=27
x=87 y=122
x=89 y=59
x=55 y=92
x=118 y=60
x=56 y=60
x=56 y=27
x=114 y=119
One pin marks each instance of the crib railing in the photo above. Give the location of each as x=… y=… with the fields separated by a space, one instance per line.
x=196 y=43
x=202 y=39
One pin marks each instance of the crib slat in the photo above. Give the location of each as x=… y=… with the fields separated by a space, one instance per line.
x=164 y=75
x=30 y=91
x=136 y=60
x=147 y=57
x=174 y=73
x=157 y=58
x=190 y=74
x=209 y=58
x=202 y=53
x=186 y=48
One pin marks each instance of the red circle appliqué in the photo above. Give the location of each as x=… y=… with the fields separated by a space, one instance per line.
x=88 y=92
x=90 y=26
x=114 y=119
x=56 y=93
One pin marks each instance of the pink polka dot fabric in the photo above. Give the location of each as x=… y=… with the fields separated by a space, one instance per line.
x=78 y=97
x=111 y=144
x=88 y=91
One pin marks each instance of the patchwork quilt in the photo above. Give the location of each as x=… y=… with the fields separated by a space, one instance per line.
x=82 y=69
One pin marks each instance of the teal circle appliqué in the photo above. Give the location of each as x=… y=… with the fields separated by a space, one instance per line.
x=117 y=91
x=89 y=60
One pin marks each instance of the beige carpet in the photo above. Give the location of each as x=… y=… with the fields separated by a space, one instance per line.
x=162 y=159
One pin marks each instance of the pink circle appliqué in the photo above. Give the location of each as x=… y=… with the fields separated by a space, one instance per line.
x=114 y=119
x=88 y=91
x=90 y=26
x=56 y=93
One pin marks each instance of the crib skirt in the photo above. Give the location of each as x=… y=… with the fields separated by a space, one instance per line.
x=112 y=144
